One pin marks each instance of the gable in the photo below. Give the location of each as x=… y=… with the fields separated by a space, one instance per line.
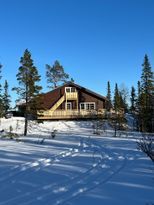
x=84 y=95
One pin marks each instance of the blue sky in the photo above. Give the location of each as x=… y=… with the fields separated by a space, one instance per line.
x=94 y=40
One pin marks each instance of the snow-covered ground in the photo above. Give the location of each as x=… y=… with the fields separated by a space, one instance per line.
x=76 y=167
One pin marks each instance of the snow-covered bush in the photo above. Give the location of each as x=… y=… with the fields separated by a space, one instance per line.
x=146 y=144
x=98 y=126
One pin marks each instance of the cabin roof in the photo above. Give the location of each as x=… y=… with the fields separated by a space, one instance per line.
x=69 y=83
x=47 y=103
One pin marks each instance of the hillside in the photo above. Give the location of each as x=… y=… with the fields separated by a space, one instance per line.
x=75 y=167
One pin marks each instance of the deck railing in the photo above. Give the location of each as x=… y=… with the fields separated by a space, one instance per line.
x=68 y=114
x=71 y=95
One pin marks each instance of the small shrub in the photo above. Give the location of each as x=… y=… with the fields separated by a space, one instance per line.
x=98 y=126
x=53 y=134
x=40 y=121
x=146 y=144
x=11 y=135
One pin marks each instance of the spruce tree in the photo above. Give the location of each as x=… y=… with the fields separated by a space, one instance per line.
x=139 y=88
x=108 y=96
x=117 y=99
x=146 y=97
x=1 y=100
x=123 y=92
x=118 y=120
x=55 y=74
x=0 y=77
x=133 y=100
x=6 y=98
x=28 y=89
x=138 y=106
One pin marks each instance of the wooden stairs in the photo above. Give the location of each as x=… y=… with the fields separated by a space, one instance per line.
x=57 y=104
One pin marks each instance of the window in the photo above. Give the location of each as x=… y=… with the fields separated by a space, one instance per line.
x=92 y=106
x=73 y=90
x=87 y=106
x=68 y=106
x=82 y=106
x=67 y=90
x=70 y=89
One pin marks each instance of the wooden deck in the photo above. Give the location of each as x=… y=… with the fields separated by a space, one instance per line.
x=68 y=114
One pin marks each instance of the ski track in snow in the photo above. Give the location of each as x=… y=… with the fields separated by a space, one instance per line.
x=21 y=169
x=93 y=177
x=102 y=170
x=91 y=180
x=27 y=166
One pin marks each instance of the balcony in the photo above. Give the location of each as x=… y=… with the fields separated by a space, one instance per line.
x=71 y=96
x=71 y=93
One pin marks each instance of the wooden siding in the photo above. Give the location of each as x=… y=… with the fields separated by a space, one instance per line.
x=82 y=95
x=86 y=97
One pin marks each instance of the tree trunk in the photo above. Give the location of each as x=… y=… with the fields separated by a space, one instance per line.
x=115 y=129
x=26 y=110
x=26 y=125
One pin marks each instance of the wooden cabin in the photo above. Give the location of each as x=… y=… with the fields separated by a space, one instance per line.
x=71 y=101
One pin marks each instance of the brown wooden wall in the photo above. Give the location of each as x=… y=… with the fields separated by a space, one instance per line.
x=84 y=96
x=50 y=98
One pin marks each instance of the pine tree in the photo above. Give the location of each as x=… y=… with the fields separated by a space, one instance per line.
x=133 y=100
x=72 y=80
x=108 y=96
x=6 y=98
x=146 y=97
x=55 y=74
x=28 y=89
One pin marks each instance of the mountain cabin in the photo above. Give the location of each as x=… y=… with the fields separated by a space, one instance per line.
x=71 y=101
